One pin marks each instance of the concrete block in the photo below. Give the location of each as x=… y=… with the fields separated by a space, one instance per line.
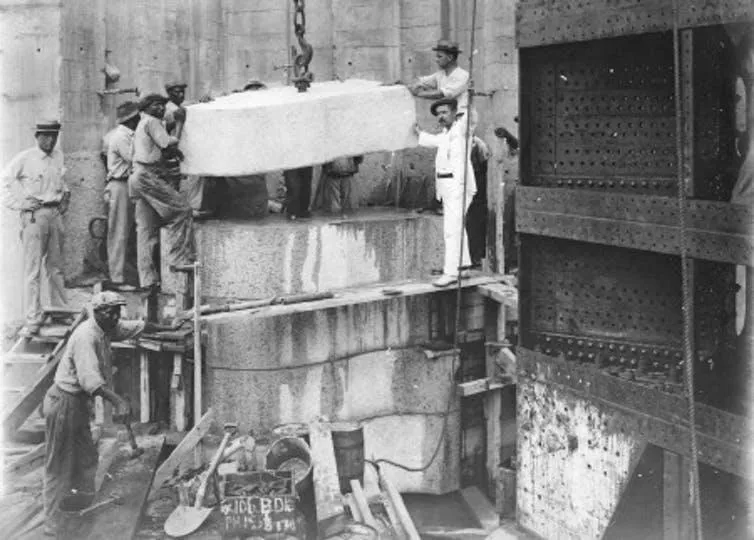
x=273 y=256
x=280 y=128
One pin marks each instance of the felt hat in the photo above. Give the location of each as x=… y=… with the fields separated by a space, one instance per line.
x=445 y=45
x=175 y=84
x=126 y=111
x=107 y=299
x=147 y=100
x=453 y=102
x=47 y=126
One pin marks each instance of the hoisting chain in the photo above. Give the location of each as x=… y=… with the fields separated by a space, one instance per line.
x=302 y=77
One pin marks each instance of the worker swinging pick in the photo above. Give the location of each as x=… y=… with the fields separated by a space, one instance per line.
x=71 y=455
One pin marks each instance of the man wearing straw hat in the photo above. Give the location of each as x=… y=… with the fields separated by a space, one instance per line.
x=120 y=147
x=455 y=184
x=33 y=185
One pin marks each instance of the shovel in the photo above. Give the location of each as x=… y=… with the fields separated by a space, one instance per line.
x=186 y=519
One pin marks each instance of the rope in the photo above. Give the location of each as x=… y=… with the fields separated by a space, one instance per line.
x=687 y=306
x=456 y=353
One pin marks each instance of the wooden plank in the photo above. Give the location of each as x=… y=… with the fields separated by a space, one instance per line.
x=363 y=505
x=15 y=415
x=479 y=386
x=178 y=393
x=31 y=459
x=327 y=495
x=134 y=480
x=354 y=508
x=144 y=388
x=481 y=507
x=395 y=522
x=183 y=449
x=677 y=515
x=398 y=505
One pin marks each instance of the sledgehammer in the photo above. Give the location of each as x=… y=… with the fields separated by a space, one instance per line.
x=135 y=450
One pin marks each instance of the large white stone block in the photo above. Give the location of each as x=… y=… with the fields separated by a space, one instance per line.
x=280 y=128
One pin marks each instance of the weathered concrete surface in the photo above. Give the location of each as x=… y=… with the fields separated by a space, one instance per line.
x=574 y=461
x=281 y=128
x=347 y=363
x=254 y=259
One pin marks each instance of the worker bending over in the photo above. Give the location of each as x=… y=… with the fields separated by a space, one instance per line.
x=452 y=163
x=157 y=202
x=33 y=185
x=70 y=454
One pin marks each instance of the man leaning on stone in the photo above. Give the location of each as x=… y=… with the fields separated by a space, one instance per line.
x=158 y=204
x=33 y=185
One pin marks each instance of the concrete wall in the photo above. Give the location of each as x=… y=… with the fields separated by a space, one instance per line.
x=267 y=370
x=574 y=461
x=54 y=53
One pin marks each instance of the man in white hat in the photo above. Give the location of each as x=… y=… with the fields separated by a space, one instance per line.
x=70 y=455
x=120 y=145
x=33 y=184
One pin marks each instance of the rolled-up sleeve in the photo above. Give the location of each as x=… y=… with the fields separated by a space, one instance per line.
x=429 y=140
x=127 y=330
x=12 y=197
x=88 y=373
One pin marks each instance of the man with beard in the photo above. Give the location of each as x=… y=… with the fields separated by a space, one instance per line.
x=70 y=453
x=157 y=202
x=33 y=185
x=455 y=185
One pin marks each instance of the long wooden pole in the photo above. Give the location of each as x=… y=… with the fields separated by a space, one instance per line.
x=197 y=345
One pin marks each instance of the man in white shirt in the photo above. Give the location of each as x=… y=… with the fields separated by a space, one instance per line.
x=450 y=81
x=33 y=185
x=455 y=184
x=120 y=145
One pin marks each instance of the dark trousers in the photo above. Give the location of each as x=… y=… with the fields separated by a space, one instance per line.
x=476 y=229
x=298 y=184
x=71 y=455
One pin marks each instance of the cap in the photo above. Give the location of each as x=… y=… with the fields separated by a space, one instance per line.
x=47 y=126
x=107 y=299
x=445 y=45
x=175 y=84
x=254 y=84
x=147 y=100
x=453 y=102
x=126 y=111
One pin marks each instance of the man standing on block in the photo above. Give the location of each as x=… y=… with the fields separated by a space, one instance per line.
x=476 y=216
x=120 y=145
x=452 y=163
x=157 y=203
x=71 y=454
x=33 y=185
x=174 y=115
x=450 y=81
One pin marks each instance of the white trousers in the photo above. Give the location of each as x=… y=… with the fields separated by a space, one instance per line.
x=119 y=221
x=454 y=210
x=43 y=246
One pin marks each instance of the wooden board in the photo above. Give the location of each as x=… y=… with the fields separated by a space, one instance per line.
x=130 y=480
x=481 y=508
x=183 y=449
x=327 y=495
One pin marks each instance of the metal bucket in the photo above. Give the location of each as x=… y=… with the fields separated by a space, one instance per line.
x=292 y=454
x=348 y=444
x=69 y=521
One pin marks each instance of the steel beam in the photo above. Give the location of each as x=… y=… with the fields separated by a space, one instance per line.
x=717 y=231
x=543 y=22
x=655 y=415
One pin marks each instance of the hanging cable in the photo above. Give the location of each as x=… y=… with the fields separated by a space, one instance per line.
x=456 y=353
x=687 y=306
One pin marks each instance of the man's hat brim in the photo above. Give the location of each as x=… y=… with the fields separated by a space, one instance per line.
x=170 y=86
x=128 y=116
x=451 y=102
x=52 y=127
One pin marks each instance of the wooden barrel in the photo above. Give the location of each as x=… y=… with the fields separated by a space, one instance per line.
x=348 y=444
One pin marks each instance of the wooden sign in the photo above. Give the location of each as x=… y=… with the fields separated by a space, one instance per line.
x=258 y=515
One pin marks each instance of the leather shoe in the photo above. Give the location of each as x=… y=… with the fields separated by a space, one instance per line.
x=444 y=281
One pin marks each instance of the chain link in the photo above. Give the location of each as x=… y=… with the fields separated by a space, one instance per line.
x=299 y=17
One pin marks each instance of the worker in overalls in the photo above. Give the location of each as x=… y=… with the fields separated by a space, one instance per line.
x=158 y=204
x=33 y=185
x=70 y=454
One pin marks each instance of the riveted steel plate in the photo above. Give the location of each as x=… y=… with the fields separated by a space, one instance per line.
x=601 y=117
x=546 y=22
x=658 y=416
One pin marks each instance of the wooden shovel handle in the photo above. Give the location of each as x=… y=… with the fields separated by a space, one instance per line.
x=212 y=468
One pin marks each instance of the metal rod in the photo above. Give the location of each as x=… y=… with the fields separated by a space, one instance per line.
x=197 y=346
